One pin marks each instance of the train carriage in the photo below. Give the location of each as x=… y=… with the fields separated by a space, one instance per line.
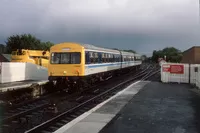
x=83 y=63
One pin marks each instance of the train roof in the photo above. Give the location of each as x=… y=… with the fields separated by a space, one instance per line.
x=127 y=53
x=137 y=55
x=93 y=47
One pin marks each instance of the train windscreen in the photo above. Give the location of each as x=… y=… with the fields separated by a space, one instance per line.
x=66 y=58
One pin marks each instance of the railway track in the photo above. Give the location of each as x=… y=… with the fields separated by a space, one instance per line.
x=14 y=120
x=64 y=118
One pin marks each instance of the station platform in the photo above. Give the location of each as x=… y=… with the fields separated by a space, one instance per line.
x=5 y=87
x=143 y=107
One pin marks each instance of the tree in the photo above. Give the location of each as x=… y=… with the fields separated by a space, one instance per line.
x=26 y=41
x=2 y=48
x=144 y=57
x=132 y=51
x=172 y=54
x=115 y=48
x=46 y=45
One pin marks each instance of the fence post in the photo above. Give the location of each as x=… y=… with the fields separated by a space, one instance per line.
x=189 y=72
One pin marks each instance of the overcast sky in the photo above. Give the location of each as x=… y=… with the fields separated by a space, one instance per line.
x=142 y=25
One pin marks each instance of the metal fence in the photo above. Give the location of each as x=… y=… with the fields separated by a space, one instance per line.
x=180 y=73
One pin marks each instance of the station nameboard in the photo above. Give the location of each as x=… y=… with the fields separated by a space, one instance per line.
x=177 y=69
x=173 y=69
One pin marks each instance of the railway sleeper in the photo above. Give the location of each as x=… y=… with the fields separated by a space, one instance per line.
x=46 y=132
x=60 y=124
x=53 y=128
x=64 y=121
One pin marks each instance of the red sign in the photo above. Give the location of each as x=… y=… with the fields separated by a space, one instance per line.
x=177 y=69
x=166 y=68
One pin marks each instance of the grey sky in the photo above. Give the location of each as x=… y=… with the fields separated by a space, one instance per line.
x=142 y=25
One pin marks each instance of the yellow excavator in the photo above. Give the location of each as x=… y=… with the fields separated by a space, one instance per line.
x=38 y=57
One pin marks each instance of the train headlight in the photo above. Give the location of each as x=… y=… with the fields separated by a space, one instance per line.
x=64 y=72
x=77 y=72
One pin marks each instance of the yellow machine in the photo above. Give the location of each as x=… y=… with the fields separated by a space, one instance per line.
x=38 y=57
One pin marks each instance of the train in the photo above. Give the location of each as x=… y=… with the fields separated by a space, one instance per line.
x=76 y=65
x=38 y=57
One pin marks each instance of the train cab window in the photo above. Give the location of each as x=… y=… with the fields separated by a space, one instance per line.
x=66 y=58
x=75 y=58
x=55 y=58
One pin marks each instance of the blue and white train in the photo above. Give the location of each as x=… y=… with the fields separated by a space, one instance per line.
x=84 y=63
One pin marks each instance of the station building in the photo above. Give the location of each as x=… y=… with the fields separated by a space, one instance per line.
x=191 y=55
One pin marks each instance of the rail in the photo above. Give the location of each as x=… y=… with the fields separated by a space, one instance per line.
x=47 y=124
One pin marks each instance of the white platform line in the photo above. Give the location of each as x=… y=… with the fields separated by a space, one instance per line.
x=84 y=115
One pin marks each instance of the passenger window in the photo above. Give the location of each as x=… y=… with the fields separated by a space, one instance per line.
x=103 y=57
x=95 y=57
x=91 y=58
x=109 y=56
x=87 y=58
x=106 y=58
x=114 y=58
x=99 y=57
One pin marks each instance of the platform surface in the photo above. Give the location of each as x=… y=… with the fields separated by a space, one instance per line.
x=20 y=84
x=159 y=108
x=94 y=120
x=145 y=107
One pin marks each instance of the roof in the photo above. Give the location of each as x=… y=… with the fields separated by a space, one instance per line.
x=89 y=46
x=194 y=47
x=7 y=56
x=93 y=47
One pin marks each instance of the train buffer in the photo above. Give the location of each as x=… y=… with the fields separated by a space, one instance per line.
x=5 y=87
x=157 y=108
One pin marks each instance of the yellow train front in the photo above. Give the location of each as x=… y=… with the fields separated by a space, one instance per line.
x=66 y=64
x=74 y=65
